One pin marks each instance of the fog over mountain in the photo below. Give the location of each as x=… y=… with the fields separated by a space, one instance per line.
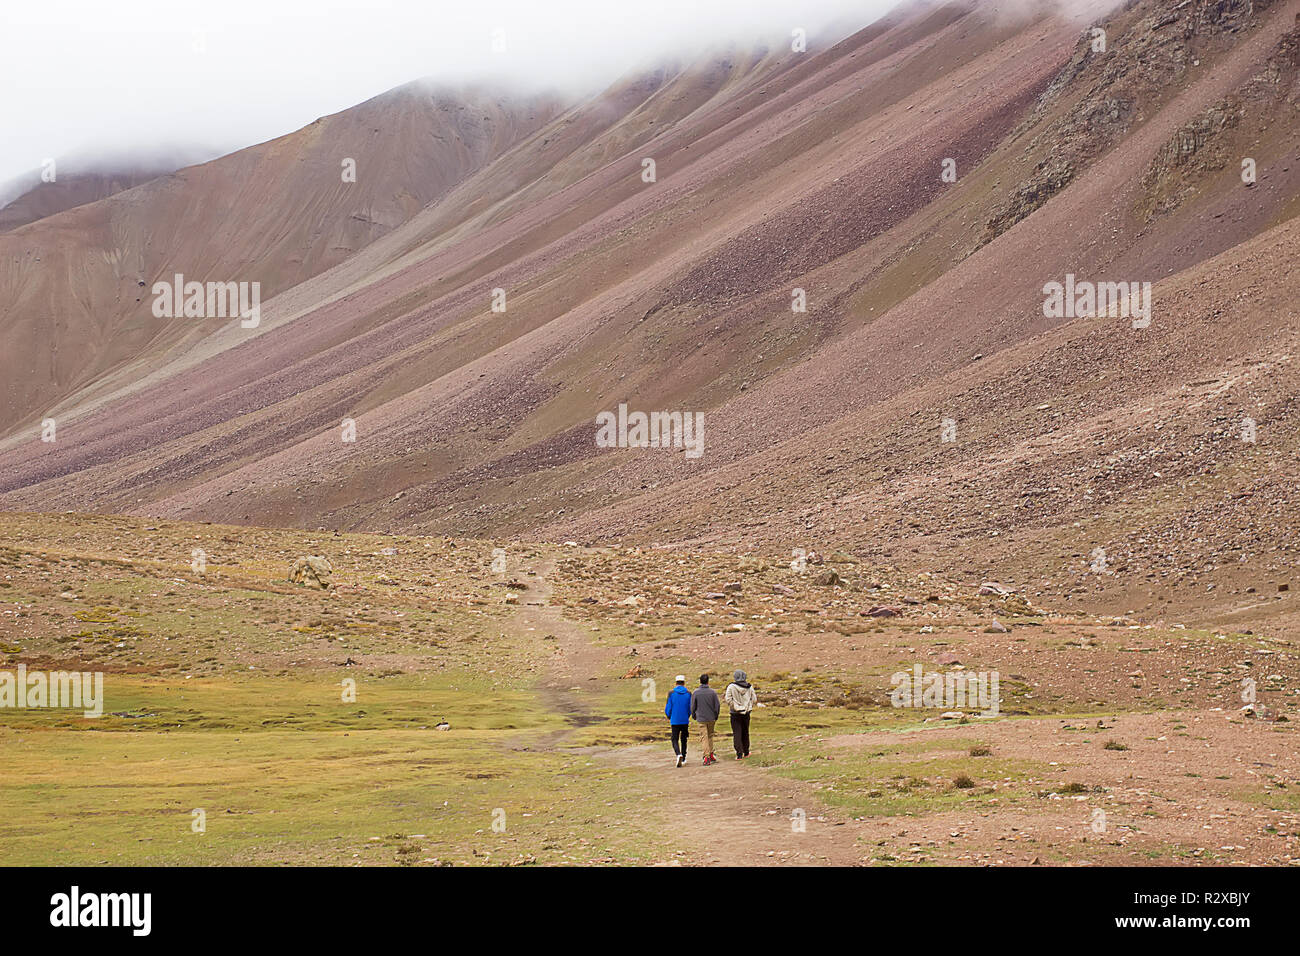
x=90 y=77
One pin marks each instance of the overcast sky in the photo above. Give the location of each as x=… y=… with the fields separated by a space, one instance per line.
x=141 y=76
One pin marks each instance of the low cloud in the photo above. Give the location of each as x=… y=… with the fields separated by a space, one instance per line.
x=114 y=77
x=155 y=76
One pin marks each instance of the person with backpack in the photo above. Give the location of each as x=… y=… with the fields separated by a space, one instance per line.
x=678 y=711
x=741 y=700
x=705 y=708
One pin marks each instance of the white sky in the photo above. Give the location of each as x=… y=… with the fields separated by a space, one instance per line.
x=82 y=77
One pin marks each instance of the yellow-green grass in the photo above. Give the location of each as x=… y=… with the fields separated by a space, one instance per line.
x=285 y=772
x=911 y=779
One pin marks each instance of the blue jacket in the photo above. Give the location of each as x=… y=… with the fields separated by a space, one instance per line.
x=678 y=707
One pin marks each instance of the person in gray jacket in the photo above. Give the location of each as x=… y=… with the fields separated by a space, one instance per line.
x=741 y=700
x=705 y=708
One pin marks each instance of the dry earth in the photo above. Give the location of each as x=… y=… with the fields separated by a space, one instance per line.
x=1115 y=741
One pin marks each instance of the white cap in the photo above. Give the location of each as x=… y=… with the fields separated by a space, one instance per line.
x=680 y=678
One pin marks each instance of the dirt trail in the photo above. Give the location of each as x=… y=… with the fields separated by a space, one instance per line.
x=734 y=813
x=576 y=663
x=730 y=813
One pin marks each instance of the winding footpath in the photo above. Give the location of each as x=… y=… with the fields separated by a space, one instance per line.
x=732 y=813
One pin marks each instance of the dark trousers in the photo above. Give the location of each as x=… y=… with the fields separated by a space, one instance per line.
x=740 y=734
x=680 y=732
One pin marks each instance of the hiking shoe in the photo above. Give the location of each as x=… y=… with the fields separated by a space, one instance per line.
x=681 y=759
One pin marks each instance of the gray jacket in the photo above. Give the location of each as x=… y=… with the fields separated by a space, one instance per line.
x=705 y=705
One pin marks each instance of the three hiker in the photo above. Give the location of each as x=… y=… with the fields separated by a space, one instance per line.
x=703 y=706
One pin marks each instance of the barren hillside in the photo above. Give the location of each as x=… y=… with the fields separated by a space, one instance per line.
x=776 y=174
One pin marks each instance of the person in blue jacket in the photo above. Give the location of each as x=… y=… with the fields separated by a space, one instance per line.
x=678 y=711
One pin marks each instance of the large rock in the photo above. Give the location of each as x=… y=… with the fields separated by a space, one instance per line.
x=315 y=569
x=884 y=610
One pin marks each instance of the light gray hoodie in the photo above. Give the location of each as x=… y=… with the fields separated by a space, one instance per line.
x=741 y=697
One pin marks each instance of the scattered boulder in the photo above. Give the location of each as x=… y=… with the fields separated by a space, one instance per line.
x=995 y=589
x=734 y=587
x=781 y=589
x=884 y=610
x=997 y=627
x=315 y=568
x=827 y=578
x=947 y=659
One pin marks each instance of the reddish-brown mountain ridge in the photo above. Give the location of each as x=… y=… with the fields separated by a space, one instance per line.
x=774 y=172
x=68 y=191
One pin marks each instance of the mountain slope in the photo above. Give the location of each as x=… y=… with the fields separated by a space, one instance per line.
x=778 y=171
x=67 y=191
x=75 y=287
